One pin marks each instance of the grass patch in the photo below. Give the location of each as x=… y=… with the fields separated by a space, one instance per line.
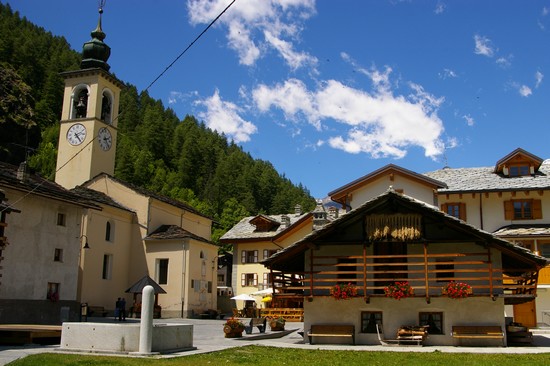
x=259 y=355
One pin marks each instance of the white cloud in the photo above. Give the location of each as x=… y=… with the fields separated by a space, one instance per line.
x=525 y=91
x=440 y=7
x=447 y=74
x=538 y=77
x=483 y=46
x=505 y=61
x=378 y=123
x=255 y=27
x=224 y=117
x=469 y=120
x=545 y=11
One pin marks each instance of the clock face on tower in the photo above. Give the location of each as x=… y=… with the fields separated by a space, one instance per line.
x=104 y=138
x=76 y=134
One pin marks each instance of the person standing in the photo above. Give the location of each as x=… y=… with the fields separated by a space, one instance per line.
x=117 y=309
x=122 y=309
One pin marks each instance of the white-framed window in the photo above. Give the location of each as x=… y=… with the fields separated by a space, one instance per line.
x=107 y=266
x=161 y=271
x=269 y=252
x=249 y=279
x=249 y=256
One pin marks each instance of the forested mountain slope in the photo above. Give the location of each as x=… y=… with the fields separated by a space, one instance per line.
x=156 y=150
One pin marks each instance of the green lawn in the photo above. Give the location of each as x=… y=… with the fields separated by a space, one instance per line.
x=258 y=355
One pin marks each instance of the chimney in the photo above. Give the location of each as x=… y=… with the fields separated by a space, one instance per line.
x=298 y=209
x=22 y=172
x=333 y=212
x=285 y=220
x=319 y=216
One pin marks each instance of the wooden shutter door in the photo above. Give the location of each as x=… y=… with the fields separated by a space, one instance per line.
x=508 y=210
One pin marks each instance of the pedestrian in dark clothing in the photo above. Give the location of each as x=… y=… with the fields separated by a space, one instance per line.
x=117 y=309
x=122 y=309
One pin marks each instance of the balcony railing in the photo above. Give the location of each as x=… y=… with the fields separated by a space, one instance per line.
x=426 y=273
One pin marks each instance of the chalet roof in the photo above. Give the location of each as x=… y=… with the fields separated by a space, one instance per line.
x=485 y=180
x=37 y=185
x=156 y=196
x=99 y=197
x=292 y=257
x=523 y=230
x=170 y=232
x=245 y=230
x=385 y=169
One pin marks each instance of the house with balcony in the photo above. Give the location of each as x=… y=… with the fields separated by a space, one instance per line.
x=511 y=200
x=394 y=238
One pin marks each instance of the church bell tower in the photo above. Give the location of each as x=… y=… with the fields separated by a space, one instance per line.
x=88 y=126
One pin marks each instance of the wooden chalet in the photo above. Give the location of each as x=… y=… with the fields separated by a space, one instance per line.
x=396 y=238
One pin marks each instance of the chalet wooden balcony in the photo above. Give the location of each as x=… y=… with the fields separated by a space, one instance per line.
x=426 y=273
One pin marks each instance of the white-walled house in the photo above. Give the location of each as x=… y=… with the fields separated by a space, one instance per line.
x=394 y=237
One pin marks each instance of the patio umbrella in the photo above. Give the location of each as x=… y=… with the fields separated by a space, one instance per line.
x=267 y=291
x=244 y=297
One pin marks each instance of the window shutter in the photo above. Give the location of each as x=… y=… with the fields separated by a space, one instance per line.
x=255 y=256
x=255 y=279
x=444 y=207
x=243 y=256
x=266 y=279
x=537 y=209
x=243 y=279
x=508 y=210
x=462 y=211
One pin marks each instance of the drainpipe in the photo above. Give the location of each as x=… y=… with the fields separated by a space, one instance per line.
x=183 y=287
x=481 y=210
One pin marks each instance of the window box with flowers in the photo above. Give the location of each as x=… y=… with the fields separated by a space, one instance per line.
x=457 y=290
x=233 y=328
x=399 y=290
x=277 y=323
x=343 y=292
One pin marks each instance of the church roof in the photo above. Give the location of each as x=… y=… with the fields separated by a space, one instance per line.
x=148 y=193
x=37 y=185
x=99 y=197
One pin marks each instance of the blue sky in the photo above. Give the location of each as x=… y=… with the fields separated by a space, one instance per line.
x=329 y=91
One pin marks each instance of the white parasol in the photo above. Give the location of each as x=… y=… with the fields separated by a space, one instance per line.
x=244 y=297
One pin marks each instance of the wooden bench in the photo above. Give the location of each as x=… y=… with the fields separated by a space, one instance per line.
x=477 y=331
x=331 y=330
x=249 y=324
x=97 y=311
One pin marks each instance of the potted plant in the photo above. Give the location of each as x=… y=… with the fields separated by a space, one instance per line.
x=399 y=290
x=233 y=328
x=457 y=290
x=277 y=323
x=343 y=292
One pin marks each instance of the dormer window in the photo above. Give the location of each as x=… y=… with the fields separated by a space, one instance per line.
x=264 y=223
x=519 y=163
x=518 y=170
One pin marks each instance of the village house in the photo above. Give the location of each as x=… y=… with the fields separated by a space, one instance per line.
x=394 y=239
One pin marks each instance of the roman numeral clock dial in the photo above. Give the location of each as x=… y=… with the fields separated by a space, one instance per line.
x=105 y=139
x=76 y=134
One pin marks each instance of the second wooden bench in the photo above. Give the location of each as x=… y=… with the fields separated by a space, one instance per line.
x=331 y=330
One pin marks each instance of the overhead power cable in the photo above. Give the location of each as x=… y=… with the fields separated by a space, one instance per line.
x=191 y=44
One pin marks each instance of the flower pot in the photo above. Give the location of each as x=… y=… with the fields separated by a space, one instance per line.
x=232 y=332
x=276 y=326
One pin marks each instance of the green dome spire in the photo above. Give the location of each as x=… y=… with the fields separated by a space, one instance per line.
x=95 y=52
